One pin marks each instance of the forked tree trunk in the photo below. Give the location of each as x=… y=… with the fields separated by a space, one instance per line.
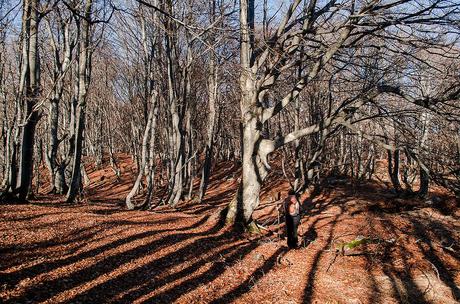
x=84 y=72
x=254 y=85
x=254 y=171
x=247 y=197
x=75 y=181
x=60 y=68
x=176 y=137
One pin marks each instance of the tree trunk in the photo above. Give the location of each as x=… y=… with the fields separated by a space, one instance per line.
x=424 y=181
x=30 y=116
x=253 y=171
x=247 y=198
x=176 y=139
x=60 y=68
x=212 y=100
x=75 y=181
x=51 y=154
x=143 y=163
x=424 y=171
x=393 y=169
x=190 y=149
x=59 y=182
x=297 y=156
x=84 y=72
x=152 y=160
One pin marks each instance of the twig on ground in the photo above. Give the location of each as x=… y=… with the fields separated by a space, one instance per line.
x=336 y=253
x=436 y=269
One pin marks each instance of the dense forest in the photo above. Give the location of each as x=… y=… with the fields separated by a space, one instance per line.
x=165 y=103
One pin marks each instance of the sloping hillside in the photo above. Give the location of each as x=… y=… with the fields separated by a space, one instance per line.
x=97 y=252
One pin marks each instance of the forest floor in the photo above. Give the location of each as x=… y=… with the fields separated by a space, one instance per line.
x=98 y=252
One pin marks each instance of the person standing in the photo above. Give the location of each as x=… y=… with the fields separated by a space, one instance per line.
x=292 y=215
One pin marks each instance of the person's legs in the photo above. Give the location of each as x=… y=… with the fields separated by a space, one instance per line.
x=295 y=222
x=291 y=230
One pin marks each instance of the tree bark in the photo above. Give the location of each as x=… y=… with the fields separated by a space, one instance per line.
x=57 y=182
x=31 y=70
x=393 y=169
x=84 y=71
x=176 y=138
x=424 y=171
x=212 y=100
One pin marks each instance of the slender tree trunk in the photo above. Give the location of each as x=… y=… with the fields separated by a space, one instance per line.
x=142 y=164
x=37 y=164
x=212 y=100
x=7 y=144
x=424 y=171
x=189 y=166
x=152 y=160
x=53 y=142
x=13 y=140
x=72 y=118
x=297 y=156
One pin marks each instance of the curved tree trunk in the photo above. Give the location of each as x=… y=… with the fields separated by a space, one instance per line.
x=143 y=164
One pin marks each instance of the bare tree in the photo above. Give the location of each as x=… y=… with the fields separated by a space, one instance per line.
x=326 y=30
x=84 y=74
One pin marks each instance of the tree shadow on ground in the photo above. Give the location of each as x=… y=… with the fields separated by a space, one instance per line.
x=160 y=264
x=128 y=281
x=247 y=284
x=396 y=262
x=394 y=265
x=426 y=247
x=15 y=277
x=312 y=272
